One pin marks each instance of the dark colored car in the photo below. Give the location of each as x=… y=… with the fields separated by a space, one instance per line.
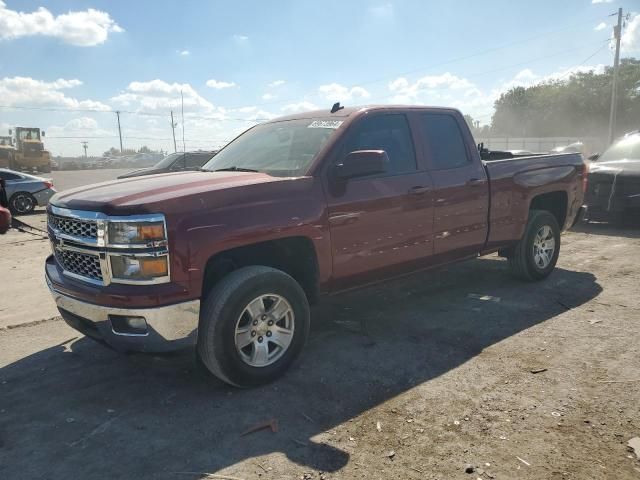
x=174 y=162
x=613 y=191
x=230 y=258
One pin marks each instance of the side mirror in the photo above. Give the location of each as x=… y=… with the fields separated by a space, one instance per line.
x=362 y=163
x=43 y=133
x=593 y=157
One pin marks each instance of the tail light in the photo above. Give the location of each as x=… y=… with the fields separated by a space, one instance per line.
x=585 y=177
x=48 y=183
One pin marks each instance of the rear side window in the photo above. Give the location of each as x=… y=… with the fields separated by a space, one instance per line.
x=444 y=142
x=389 y=133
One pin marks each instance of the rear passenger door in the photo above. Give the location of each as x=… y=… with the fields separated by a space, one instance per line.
x=380 y=222
x=461 y=189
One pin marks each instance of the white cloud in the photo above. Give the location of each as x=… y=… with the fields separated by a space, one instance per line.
x=433 y=86
x=276 y=83
x=268 y=96
x=630 y=41
x=26 y=91
x=240 y=38
x=82 y=28
x=299 y=107
x=219 y=85
x=184 y=53
x=249 y=109
x=601 y=1
x=339 y=93
x=381 y=11
x=157 y=95
x=459 y=92
x=600 y=26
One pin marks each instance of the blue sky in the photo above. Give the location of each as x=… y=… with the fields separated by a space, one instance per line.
x=239 y=61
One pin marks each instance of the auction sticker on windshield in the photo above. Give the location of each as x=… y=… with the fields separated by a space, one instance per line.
x=325 y=124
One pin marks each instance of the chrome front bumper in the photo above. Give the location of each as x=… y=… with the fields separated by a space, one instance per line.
x=168 y=328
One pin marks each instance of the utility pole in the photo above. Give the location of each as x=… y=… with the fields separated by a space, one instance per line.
x=173 y=129
x=617 y=33
x=85 y=144
x=120 y=133
x=182 y=103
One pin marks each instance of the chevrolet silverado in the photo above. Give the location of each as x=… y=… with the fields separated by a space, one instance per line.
x=229 y=258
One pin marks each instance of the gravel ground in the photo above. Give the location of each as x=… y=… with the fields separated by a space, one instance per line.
x=417 y=378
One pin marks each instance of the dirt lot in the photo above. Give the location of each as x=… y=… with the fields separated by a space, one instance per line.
x=412 y=379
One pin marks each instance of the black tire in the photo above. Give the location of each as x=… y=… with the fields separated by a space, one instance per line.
x=22 y=203
x=521 y=259
x=222 y=308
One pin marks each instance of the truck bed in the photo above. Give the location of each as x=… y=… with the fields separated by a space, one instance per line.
x=514 y=182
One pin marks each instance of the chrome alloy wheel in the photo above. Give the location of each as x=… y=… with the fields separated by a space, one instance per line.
x=264 y=330
x=23 y=203
x=544 y=244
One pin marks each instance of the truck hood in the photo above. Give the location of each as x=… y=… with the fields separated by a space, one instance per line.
x=156 y=193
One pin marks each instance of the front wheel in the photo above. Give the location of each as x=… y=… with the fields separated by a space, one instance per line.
x=253 y=325
x=536 y=255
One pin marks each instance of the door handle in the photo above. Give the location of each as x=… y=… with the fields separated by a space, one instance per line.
x=475 y=182
x=418 y=190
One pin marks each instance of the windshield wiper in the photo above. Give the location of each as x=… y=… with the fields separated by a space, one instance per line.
x=236 y=169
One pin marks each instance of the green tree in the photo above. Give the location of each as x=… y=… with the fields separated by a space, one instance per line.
x=577 y=106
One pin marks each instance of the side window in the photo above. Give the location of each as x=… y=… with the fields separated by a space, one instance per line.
x=389 y=133
x=178 y=164
x=197 y=160
x=9 y=176
x=445 y=144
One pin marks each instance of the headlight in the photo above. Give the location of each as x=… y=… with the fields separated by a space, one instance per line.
x=138 y=268
x=131 y=233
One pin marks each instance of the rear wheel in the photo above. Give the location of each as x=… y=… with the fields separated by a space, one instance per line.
x=535 y=256
x=22 y=203
x=253 y=325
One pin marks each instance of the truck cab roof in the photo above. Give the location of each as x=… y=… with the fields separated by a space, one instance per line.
x=352 y=111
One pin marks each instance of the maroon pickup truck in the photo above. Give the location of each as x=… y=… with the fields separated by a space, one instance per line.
x=230 y=258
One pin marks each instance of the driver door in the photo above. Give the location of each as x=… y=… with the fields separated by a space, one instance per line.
x=380 y=223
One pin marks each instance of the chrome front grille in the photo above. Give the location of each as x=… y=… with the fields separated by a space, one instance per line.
x=81 y=247
x=74 y=227
x=83 y=264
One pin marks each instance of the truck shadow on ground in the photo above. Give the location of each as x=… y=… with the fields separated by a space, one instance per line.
x=79 y=410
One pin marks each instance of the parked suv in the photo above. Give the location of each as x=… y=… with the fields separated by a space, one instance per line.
x=175 y=162
x=230 y=258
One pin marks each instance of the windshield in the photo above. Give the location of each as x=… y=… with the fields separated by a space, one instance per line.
x=282 y=149
x=628 y=147
x=28 y=133
x=168 y=160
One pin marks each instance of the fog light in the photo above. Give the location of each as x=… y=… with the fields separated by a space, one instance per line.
x=128 y=325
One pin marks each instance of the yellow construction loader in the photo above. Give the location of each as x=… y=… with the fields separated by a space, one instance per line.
x=29 y=151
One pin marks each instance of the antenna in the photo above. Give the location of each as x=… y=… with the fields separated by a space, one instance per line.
x=336 y=107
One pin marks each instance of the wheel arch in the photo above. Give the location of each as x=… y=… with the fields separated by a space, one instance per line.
x=555 y=202
x=294 y=255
